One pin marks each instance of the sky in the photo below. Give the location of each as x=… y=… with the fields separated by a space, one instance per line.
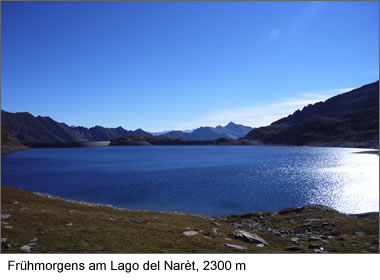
x=181 y=65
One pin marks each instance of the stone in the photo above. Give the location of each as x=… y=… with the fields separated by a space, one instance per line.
x=136 y=221
x=112 y=219
x=226 y=238
x=250 y=237
x=317 y=251
x=294 y=240
x=32 y=244
x=229 y=245
x=314 y=246
x=69 y=224
x=359 y=233
x=15 y=202
x=4 y=240
x=207 y=237
x=25 y=248
x=214 y=230
x=260 y=245
x=8 y=227
x=294 y=248
x=314 y=237
x=190 y=233
x=5 y=216
x=312 y=220
x=35 y=239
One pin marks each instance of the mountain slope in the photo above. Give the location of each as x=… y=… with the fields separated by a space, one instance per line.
x=350 y=119
x=206 y=133
x=29 y=129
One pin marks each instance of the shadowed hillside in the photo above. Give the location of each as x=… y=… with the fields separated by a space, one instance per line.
x=29 y=129
x=349 y=120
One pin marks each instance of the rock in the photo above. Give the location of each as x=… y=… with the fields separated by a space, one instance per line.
x=325 y=241
x=4 y=240
x=4 y=223
x=207 y=237
x=314 y=246
x=72 y=211
x=312 y=220
x=5 y=216
x=136 y=221
x=15 y=202
x=32 y=244
x=314 y=237
x=238 y=225
x=226 y=238
x=294 y=248
x=330 y=237
x=214 y=230
x=260 y=245
x=8 y=227
x=112 y=219
x=229 y=245
x=294 y=240
x=69 y=224
x=190 y=233
x=359 y=233
x=35 y=239
x=25 y=248
x=317 y=251
x=250 y=237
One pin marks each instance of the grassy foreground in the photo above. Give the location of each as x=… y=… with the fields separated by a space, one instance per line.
x=50 y=224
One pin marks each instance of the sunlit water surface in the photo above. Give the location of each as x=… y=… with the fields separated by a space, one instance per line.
x=216 y=180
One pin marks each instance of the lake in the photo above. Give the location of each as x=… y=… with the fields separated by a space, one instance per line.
x=215 y=180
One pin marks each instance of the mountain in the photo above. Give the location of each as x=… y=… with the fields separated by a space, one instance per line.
x=29 y=129
x=349 y=119
x=206 y=133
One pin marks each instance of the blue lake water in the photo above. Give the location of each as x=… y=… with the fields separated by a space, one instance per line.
x=216 y=180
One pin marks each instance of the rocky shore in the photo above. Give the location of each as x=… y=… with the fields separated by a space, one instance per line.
x=36 y=223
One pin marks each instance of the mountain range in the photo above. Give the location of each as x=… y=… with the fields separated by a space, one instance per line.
x=30 y=129
x=349 y=119
x=206 y=133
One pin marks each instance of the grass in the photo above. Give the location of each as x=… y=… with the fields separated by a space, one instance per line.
x=63 y=226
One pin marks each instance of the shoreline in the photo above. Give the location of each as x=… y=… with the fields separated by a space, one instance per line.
x=7 y=149
x=105 y=205
x=51 y=224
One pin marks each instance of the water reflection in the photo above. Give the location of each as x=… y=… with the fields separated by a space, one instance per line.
x=350 y=185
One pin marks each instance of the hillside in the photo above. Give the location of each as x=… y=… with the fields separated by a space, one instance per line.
x=29 y=129
x=348 y=120
x=39 y=223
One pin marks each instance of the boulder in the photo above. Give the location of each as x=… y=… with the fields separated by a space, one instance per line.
x=250 y=237
x=190 y=233
x=229 y=245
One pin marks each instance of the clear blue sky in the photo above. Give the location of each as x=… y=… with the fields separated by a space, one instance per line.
x=180 y=65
